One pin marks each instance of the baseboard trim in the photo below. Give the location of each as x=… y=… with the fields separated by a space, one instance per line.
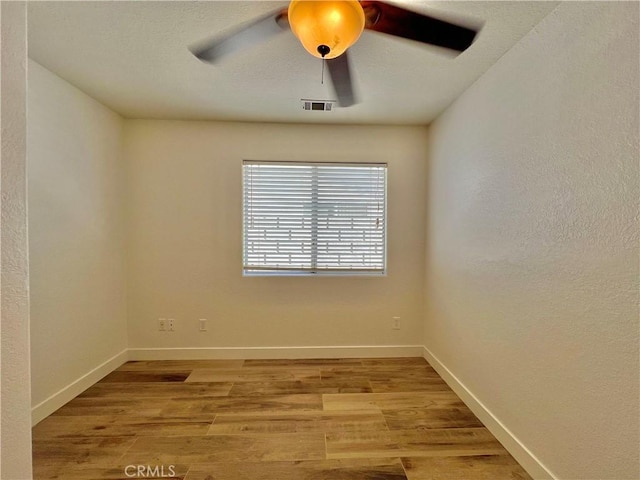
x=519 y=451
x=58 y=399
x=514 y=446
x=375 y=351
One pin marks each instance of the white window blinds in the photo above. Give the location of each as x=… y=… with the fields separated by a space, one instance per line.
x=314 y=217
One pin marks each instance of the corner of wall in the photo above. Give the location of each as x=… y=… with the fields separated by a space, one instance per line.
x=76 y=187
x=15 y=426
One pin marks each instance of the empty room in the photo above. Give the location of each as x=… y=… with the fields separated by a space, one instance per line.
x=337 y=240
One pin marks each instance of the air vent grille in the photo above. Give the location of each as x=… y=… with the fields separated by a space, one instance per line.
x=317 y=105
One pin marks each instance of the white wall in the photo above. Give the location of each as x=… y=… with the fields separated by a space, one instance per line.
x=185 y=226
x=76 y=234
x=532 y=257
x=15 y=421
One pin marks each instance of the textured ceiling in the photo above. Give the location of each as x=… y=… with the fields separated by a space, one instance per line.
x=133 y=57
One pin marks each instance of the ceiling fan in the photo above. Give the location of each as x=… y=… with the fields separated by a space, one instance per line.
x=327 y=29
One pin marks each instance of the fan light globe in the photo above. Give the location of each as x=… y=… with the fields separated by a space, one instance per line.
x=321 y=24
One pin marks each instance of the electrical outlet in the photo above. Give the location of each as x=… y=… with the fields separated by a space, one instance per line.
x=162 y=324
x=395 y=323
x=170 y=322
x=203 y=324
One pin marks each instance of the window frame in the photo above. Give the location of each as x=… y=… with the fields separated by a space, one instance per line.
x=270 y=272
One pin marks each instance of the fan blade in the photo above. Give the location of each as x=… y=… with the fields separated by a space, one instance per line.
x=385 y=18
x=246 y=36
x=341 y=79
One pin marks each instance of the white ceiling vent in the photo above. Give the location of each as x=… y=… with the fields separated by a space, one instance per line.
x=317 y=105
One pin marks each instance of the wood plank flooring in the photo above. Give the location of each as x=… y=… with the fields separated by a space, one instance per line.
x=333 y=419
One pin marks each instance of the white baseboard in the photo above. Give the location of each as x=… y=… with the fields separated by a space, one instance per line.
x=519 y=451
x=515 y=447
x=58 y=399
x=376 y=351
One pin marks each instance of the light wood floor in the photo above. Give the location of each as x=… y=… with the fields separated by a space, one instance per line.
x=337 y=419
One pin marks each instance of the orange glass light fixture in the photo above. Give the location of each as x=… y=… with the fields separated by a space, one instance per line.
x=326 y=28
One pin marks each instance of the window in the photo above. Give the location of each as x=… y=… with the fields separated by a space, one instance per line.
x=314 y=218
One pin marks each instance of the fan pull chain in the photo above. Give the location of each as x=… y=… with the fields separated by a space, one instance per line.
x=323 y=50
